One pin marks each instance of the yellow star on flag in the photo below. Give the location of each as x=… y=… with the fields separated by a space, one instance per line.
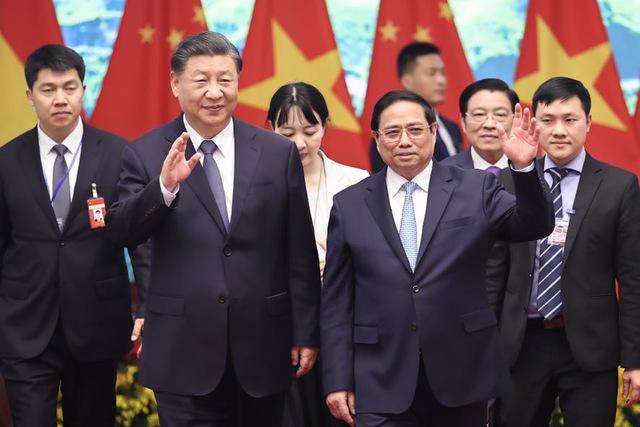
x=389 y=31
x=445 y=11
x=586 y=66
x=198 y=16
x=290 y=65
x=174 y=37
x=146 y=34
x=422 y=34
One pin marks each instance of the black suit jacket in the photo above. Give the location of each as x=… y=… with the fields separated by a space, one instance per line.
x=78 y=274
x=250 y=293
x=439 y=153
x=377 y=315
x=603 y=245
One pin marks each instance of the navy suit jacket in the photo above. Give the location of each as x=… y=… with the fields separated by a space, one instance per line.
x=462 y=160
x=251 y=293
x=77 y=274
x=377 y=316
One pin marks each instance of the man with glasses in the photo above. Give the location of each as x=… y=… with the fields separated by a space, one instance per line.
x=407 y=335
x=485 y=106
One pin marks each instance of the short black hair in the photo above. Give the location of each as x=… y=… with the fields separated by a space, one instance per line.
x=561 y=88
x=492 y=85
x=206 y=43
x=394 y=96
x=301 y=95
x=55 y=57
x=410 y=53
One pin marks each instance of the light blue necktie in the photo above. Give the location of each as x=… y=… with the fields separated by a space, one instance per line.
x=62 y=199
x=408 y=229
x=208 y=147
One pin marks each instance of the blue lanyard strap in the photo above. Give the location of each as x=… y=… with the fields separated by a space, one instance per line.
x=66 y=175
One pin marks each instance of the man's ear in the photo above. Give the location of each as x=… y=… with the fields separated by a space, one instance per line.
x=173 y=78
x=29 y=94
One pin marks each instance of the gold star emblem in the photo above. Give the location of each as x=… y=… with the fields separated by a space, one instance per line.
x=445 y=11
x=389 y=31
x=585 y=66
x=290 y=65
x=146 y=34
x=422 y=34
x=198 y=16
x=174 y=37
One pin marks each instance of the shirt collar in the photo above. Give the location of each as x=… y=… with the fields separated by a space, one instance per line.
x=480 y=163
x=224 y=139
x=575 y=165
x=72 y=141
x=395 y=181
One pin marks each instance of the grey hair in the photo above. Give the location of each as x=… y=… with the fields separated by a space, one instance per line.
x=206 y=43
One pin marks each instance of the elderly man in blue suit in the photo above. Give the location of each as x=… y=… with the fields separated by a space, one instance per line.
x=408 y=336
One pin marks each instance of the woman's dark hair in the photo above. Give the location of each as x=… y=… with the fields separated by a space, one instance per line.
x=301 y=95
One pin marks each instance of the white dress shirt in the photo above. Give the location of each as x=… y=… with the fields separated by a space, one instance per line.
x=446 y=137
x=396 y=196
x=48 y=157
x=480 y=163
x=224 y=157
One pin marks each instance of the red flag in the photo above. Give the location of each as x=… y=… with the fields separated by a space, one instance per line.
x=399 y=25
x=23 y=29
x=136 y=94
x=636 y=117
x=291 y=41
x=554 y=45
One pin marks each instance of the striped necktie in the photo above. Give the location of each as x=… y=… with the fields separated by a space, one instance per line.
x=549 y=296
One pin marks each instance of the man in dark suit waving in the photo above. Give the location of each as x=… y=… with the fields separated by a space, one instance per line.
x=235 y=282
x=408 y=337
x=65 y=311
x=564 y=330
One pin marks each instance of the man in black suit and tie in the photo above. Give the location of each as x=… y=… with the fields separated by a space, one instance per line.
x=564 y=329
x=421 y=70
x=235 y=281
x=65 y=312
x=408 y=336
x=484 y=106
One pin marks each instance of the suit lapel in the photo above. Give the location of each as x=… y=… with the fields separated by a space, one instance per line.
x=197 y=181
x=29 y=157
x=533 y=244
x=590 y=180
x=378 y=203
x=247 y=153
x=88 y=167
x=440 y=190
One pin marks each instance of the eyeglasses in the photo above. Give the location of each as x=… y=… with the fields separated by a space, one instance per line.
x=481 y=116
x=394 y=134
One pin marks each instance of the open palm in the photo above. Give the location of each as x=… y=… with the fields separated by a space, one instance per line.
x=521 y=145
x=176 y=168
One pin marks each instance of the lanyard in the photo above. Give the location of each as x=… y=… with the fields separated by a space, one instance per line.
x=56 y=190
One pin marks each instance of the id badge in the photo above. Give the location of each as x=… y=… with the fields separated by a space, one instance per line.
x=97 y=209
x=559 y=234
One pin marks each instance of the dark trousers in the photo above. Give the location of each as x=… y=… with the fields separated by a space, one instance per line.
x=426 y=411
x=545 y=370
x=227 y=406
x=88 y=388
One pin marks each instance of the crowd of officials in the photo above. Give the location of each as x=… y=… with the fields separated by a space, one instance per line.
x=451 y=288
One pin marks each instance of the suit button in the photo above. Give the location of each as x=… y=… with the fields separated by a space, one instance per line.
x=415 y=289
x=227 y=251
x=222 y=299
x=62 y=243
x=414 y=327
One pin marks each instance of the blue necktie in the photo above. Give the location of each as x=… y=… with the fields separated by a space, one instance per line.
x=208 y=147
x=62 y=198
x=408 y=229
x=549 y=297
x=494 y=170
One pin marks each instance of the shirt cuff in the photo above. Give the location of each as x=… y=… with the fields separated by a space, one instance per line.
x=167 y=195
x=525 y=169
